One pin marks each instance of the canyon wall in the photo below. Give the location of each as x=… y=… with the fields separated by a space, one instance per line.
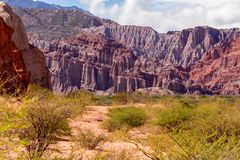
x=83 y=51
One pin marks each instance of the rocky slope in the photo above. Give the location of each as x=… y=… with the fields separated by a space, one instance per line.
x=40 y=5
x=44 y=25
x=219 y=69
x=32 y=57
x=99 y=54
x=178 y=48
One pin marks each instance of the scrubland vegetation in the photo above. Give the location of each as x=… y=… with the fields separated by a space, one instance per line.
x=160 y=127
x=129 y=117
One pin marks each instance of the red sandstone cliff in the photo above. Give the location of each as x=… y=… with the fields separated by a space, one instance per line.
x=219 y=69
x=96 y=63
x=13 y=73
x=32 y=57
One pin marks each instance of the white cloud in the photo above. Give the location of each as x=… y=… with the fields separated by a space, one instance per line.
x=165 y=15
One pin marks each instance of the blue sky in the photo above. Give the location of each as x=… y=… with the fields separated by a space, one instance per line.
x=163 y=15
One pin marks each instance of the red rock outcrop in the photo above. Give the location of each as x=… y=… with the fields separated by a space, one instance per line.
x=177 y=48
x=13 y=73
x=96 y=63
x=33 y=58
x=219 y=69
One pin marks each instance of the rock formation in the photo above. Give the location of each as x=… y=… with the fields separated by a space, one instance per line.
x=33 y=58
x=219 y=69
x=96 y=63
x=178 y=48
x=148 y=69
x=45 y=25
x=84 y=51
x=40 y=5
x=13 y=73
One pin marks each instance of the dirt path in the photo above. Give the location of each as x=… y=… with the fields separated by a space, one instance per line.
x=92 y=119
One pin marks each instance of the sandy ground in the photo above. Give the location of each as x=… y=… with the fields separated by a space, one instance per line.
x=92 y=119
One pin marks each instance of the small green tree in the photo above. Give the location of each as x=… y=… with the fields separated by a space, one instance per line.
x=45 y=125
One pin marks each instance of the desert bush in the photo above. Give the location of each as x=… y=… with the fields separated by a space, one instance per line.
x=215 y=121
x=212 y=133
x=83 y=97
x=89 y=139
x=172 y=118
x=121 y=99
x=45 y=124
x=192 y=147
x=10 y=116
x=75 y=102
x=35 y=91
x=188 y=148
x=116 y=99
x=127 y=116
x=119 y=155
x=103 y=100
x=150 y=147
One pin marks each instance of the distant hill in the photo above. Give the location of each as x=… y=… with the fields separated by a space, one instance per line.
x=40 y=5
x=51 y=24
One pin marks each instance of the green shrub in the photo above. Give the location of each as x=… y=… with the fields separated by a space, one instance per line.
x=83 y=97
x=212 y=133
x=171 y=118
x=75 y=102
x=45 y=124
x=127 y=116
x=103 y=100
x=214 y=121
x=192 y=146
x=35 y=91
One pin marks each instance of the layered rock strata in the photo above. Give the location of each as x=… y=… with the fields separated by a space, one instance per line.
x=91 y=62
x=75 y=43
x=219 y=69
x=187 y=74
